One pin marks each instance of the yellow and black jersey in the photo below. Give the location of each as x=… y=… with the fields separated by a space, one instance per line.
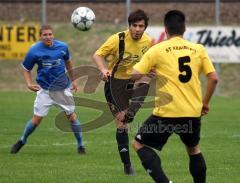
x=178 y=64
x=134 y=50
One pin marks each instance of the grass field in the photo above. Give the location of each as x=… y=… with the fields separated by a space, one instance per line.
x=50 y=154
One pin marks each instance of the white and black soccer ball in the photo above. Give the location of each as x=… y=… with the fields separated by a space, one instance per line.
x=83 y=18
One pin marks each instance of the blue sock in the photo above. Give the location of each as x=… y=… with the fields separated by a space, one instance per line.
x=77 y=131
x=30 y=127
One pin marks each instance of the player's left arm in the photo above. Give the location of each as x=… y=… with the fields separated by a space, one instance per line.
x=212 y=80
x=69 y=67
x=27 y=65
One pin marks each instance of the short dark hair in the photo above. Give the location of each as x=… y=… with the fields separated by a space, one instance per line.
x=45 y=27
x=138 y=15
x=174 y=22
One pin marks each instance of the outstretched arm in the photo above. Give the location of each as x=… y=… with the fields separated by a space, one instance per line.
x=212 y=79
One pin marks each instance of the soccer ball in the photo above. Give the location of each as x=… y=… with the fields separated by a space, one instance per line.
x=83 y=18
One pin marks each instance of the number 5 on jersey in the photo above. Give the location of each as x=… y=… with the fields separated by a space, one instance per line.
x=184 y=67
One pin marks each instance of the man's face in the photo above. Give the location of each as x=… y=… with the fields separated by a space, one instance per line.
x=47 y=37
x=137 y=29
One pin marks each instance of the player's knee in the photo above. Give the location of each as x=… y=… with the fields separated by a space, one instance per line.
x=121 y=125
x=72 y=117
x=193 y=150
x=136 y=145
x=36 y=120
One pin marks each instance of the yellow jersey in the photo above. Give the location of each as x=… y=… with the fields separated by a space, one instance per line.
x=134 y=50
x=178 y=64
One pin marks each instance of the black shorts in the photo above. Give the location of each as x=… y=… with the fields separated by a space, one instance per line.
x=155 y=131
x=118 y=93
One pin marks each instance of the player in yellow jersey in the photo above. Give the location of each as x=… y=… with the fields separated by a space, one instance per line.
x=178 y=63
x=121 y=51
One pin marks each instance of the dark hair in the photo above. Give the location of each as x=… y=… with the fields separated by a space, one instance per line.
x=136 y=16
x=45 y=27
x=174 y=22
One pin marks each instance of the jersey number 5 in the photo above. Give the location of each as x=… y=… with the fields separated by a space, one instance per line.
x=184 y=67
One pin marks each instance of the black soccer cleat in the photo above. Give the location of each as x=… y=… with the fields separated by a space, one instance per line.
x=81 y=150
x=128 y=170
x=16 y=147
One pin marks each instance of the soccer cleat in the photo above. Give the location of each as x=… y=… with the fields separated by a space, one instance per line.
x=81 y=150
x=16 y=147
x=128 y=170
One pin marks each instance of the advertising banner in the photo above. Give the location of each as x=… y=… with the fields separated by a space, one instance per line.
x=15 y=40
x=221 y=42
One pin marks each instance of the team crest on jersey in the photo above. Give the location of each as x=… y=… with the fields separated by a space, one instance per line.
x=144 y=49
x=51 y=63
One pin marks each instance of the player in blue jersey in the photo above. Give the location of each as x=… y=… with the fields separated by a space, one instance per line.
x=53 y=84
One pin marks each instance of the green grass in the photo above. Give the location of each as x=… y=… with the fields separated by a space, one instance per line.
x=50 y=154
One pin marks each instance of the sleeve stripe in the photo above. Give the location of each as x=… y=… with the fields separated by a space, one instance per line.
x=24 y=67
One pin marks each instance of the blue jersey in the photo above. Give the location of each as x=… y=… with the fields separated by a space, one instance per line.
x=51 y=64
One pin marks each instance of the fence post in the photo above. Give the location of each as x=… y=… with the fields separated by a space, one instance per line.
x=44 y=12
x=217 y=22
x=128 y=9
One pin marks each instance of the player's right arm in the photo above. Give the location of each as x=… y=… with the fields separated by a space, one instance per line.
x=100 y=57
x=27 y=65
x=28 y=78
x=102 y=68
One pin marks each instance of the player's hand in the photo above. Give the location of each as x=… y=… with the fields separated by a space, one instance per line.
x=33 y=87
x=74 y=86
x=105 y=73
x=152 y=73
x=205 y=109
